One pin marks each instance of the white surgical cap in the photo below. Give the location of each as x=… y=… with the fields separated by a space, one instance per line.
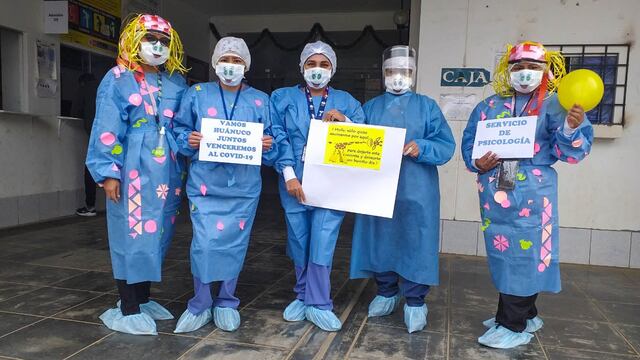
x=231 y=46
x=318 y=47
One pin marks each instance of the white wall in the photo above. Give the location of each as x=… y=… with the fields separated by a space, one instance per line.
x=602 y=192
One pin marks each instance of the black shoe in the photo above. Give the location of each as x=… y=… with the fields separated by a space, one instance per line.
x=85 y=211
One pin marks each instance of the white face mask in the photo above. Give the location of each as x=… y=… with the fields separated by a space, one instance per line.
x=317 y=77
x=153 y=54
x=525 y=81
x=398 y=83
x=230 y=74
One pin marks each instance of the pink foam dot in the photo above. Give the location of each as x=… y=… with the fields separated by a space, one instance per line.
x=150 y=226
x=241 y=224
x=212 y=111
x=536 y=148
x=107 y=138
x=258 y=102
x=505 y=204
x=572 y=160
x=536 y=172
x=203 y=189
x=168 y=113
x=133 y=174
x=220 y=226
x=173 y=219
x=541 y=267
x=135 y=99
x=576 y=143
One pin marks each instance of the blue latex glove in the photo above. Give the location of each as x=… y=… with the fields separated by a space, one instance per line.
x=324 y=319
x=189 y=322
x=415 y=317
x=294 y=311
x=533 y=325
x=137 y=324
x=499 y=337
x=383 y=306
x=153 y=309
x=226 y=319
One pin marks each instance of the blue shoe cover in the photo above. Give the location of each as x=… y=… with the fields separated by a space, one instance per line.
x=226 y=319
x=324 y=319
x=294 y=311
x=533 y=325
x=415 y=317
x=383 y=306
x=136 y=324
x=189 y=322
x=499 y=337
x=153 y=309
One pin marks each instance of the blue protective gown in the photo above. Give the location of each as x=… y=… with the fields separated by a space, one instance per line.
x=520 y=226
x=311 y=232
x=224 y=197
x=408 y=243
x=123 y=136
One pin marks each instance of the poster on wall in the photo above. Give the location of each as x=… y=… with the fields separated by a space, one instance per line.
x=46 y=69
x=94 y=25
x=56 y=17
x=353 y=167
x=457 y=106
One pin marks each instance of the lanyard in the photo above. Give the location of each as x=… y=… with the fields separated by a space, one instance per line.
x=154 y=104
x=224 y=104
x=524 y=108
x=323 y=103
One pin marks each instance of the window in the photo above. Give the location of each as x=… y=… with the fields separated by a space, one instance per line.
x=611 y=62
x=11 y=71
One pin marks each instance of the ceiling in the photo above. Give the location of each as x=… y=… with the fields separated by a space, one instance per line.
x=255 y=7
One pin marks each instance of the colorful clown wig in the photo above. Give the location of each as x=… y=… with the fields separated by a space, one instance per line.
x=528 y=51
x=133 y=33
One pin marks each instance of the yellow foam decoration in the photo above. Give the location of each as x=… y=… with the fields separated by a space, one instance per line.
x=555 y=63
x=129 y=47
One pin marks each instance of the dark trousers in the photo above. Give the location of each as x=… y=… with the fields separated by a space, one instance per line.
x=514 y=311
x=132 y=295
x=89 y=189
x=388 y=286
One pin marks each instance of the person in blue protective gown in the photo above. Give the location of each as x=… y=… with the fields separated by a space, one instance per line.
x=223 y=196
x=519 y=197
x=133 y=155
x=311 y=232
x=402 y=253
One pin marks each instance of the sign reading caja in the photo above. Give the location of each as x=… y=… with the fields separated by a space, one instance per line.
x=231 y=141
x=358 y=147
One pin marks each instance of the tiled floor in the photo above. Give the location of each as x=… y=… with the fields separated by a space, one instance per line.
x=55 y=280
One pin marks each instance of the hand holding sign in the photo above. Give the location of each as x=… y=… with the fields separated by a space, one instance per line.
x=487 y=162
x=267 y=141
x=194 y=139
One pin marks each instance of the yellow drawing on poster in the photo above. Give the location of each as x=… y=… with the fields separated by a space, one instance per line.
x=354 y=146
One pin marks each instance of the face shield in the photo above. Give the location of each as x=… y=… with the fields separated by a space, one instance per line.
x=399 y=69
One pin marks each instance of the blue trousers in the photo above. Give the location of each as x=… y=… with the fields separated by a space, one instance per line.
x=390 y=283
x=202 y=300
x=313 y=286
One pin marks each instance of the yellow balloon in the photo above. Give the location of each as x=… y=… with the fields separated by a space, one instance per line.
x=583 y=87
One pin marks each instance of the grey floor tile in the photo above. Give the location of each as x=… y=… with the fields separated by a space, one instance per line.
x=91 y=281
x=215 y=349
x=50 y=339
x=468 y=321
x=177 y=269
x=91 y=310
x=632 y=334
x=270 y=261
x=382 y=342
x=265 y=327
x=12 y=322
x=564 y=307
x=628 y=314
x=178 y=252
x=85 y=259
x=468 y=348
x=436 y=318
x=582 y=335
x=46 y=301
x=275 y=299
x=34 y=274
x=571 y=354
x=171 y=288
x=161 y=347
x=10 y=290
x=252 y=274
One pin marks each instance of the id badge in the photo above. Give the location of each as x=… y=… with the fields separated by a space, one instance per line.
x=506 y=174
